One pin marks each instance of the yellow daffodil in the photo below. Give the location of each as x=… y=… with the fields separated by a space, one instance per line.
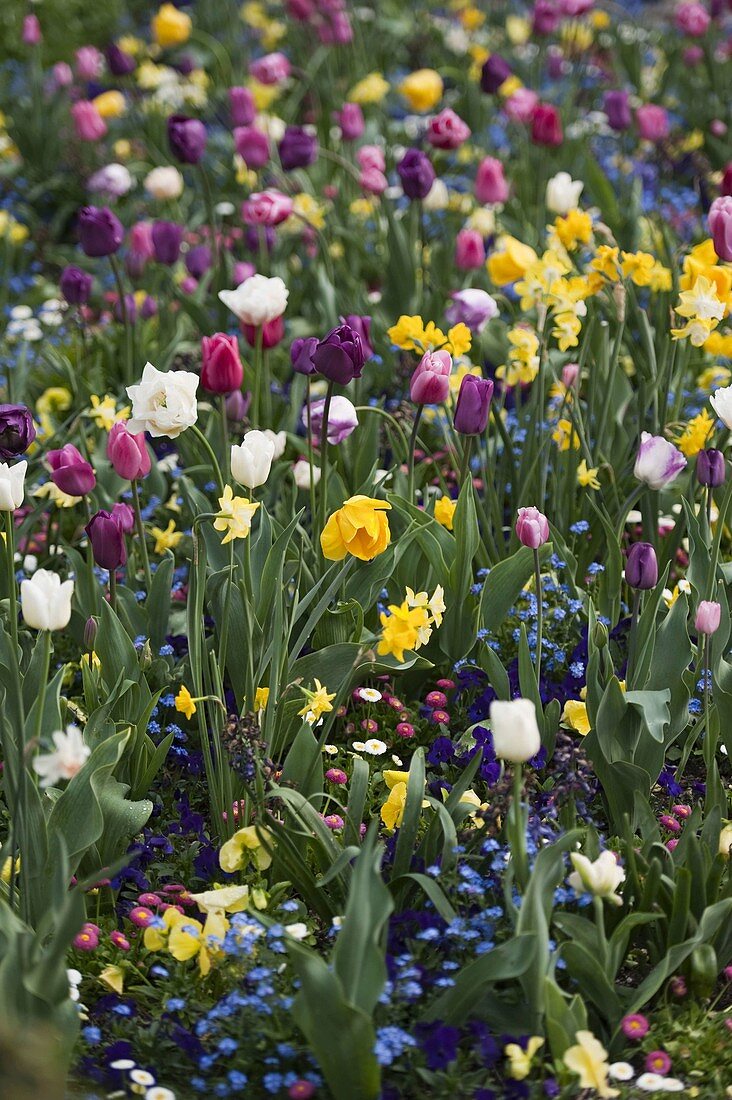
x=55 y=495
x=510 y=262
x=695 y=434
x=359 y=527
x=235 y=515
x=185 y=703
x=574 y=229
x=104 y=413
x=166 y=539
x=371 y=89
x=318 y=703
x=587 y=477
x=110 y=104
x=637 y=266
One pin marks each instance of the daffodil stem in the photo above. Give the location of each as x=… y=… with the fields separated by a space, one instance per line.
x=140 y=527
x=211 y=454
x=539 y=613
x=324 y=456
x=710 y=742
x=412 y=446
x=227 y=611
x=600 y=925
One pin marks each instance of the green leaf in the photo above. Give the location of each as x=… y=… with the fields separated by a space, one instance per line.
x=472 y=984
x=504 y=583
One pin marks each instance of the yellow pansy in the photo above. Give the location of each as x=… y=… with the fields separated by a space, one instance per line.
x=371 y=89
x=171 y=27
x=359 y=527
x=519 y=1059
x=575 y=716
x=114 y=977
x=445 y=511
x=422 y=89
x=392 y=811
x=588 y=1059
x=246 y=846
x=166 y=539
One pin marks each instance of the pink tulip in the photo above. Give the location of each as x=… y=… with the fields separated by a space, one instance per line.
x=268 y=208
x=371 y=156
x=430 y=384
x=469 y=250
x=719 y=220
x=490 y=182
x=532 y=527
x=708 y=616
x=692 y=19
x=88 y=123
x=271 y=69
x=520 y=106
x=447 y=130
x=31 y=30
x=127 y=452
x=89 y=63
x=653 y=124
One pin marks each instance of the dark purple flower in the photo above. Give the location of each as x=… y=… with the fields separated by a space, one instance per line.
x=641 y=566
x=301 y=354
x=416 y=174
x=339 y=355
x=617 y=109
x=710 y=468
x=187 y=138
x=198 y=260
x=17 y=431
x=494 y=72
x=100 y=231
x=362 y=325
x=166 y=239
x=75 y=285
x=298 y=148
x=119 y=62
x=473 y=405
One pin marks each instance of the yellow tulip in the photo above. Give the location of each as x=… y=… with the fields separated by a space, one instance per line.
x=359 y=528
x=171 y=27
x=422 y=89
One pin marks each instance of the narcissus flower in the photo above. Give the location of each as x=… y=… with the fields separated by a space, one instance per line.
x=235 y=516
x=318 y=703
x=359 y=528
x=519 y=1060
x=246 y=846
x=445 y=511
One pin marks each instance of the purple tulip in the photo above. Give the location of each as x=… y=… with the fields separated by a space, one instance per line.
x=241 y=104
x=342 y=419
x=198 y=260
x=532 y=527
x=641 y=566
x=719 y=220
x=75 y=285
x=187 y=138
x=416 y=174
x=301 y=354
x=658 y=462
x=362 y=325
x=100 y=231
x=17 y=431
x=617 y=109
x=339 y=356
x=473 y=405
x=237 y=406
x=298 y=148
x=119 y=62
x=495 y=72
x=107 y=539
x=166 y=239
x=252 y=145
x=70 y=472
x=710 y=468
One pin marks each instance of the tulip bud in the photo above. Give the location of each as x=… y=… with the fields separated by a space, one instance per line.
x=515 y=730
x=222 y=370
x=546 y=125
x=600 y=636
x=75 y=285
x=494 y=73
x=658 y=462
x=107 y=540
x=490 y=182
x=252 y=146
x=237 y=406
x=251 y=460
x=617 y=109
x=710 y=468
x=31 y=30
x=187 y=138
x=641 y=566
x=708 y=615
x=241 y=104
x=351 y=121
x=342 y=419
x=473 y=405
x=90 y=633
x=12 y=485
x=298 y=148
x=416 y=174
x=652 y=120
x=532 y=527
x=301 y=354
x=430 y=384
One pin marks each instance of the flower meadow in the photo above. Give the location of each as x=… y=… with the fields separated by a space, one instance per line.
x=366 y=556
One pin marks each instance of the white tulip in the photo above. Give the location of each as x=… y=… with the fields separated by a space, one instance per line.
x=562 y=193
x=438 y=197
x=600 y=877
x=301 y=473
x=515 y=731
x=45 y=601
x=251 y=460
x=721 y=402
x=12 y=485
x=258 y=300
x=163 y=402
x=279 y=439
x=69 y=758
x=164 y=183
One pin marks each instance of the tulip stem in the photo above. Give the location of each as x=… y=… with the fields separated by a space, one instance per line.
x=310 y=455
x=465 y=465
x=43 y=682
x=324 y=455
x=113 y=589
x=710 y=742
x=539 y=613
x=517 y=828
x=633 y=639
x=210 y=454
x=129 y=353
x=412 y=446
x=141 y=534
x=224 y=434
x=12 y=589
x=258 y=369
